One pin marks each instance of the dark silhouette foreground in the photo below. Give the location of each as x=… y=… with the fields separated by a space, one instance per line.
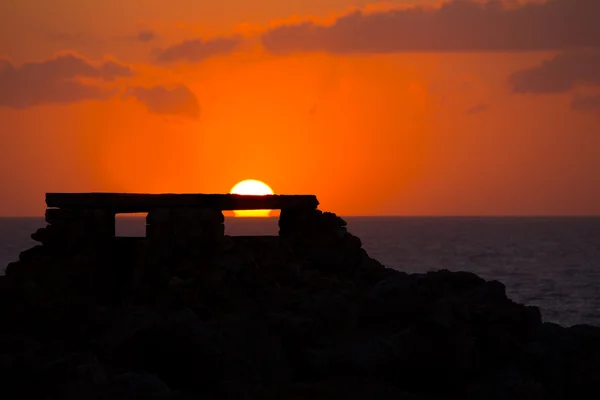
x=188 y=313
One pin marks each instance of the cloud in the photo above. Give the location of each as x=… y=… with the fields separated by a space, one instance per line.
x=110 y=70
x=178 y=100
x=477 y=109
x=589 y=102
x=559 y=74
x=458 y=25
x=146 y=35
x=198 y=50
x=65 y=37
x=55 y=81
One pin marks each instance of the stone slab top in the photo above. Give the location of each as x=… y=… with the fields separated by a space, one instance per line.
x=140 y=203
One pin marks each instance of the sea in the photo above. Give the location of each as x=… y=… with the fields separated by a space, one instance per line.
x=549 y=262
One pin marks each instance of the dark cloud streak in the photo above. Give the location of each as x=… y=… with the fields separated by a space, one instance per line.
x=55 y=81
x=146 y=36
x=586 y=102
x=178 y=100
x=198 y=50
x=560 y=74
x=477 y=109
x=457 y=26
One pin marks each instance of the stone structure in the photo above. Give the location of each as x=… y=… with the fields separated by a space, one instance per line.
x=180 y=217
x=180 y=228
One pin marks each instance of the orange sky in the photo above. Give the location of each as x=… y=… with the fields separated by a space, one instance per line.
x=467 y=109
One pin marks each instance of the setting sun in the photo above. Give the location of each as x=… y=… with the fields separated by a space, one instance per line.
x=251 y=187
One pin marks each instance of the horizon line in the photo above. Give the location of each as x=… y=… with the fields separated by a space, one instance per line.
x=380 y=216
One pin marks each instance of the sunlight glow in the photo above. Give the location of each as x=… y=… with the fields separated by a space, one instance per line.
x=251 y=187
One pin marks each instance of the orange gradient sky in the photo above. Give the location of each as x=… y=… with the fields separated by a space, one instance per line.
x=394 y=108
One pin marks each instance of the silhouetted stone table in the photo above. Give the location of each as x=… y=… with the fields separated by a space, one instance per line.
x=139 y=203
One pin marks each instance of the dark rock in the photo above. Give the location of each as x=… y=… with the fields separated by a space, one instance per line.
x=33 y=254
x=338 y=389
x=506 y=385
x=332 y=311
x=566 y=360
x=409 y=359
x=188 y=313
x=114 y=328
x=136 y=386
x=188 y=354
x=394 y=302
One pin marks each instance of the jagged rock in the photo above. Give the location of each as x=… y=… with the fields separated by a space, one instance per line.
x=339 y=389
x=507 y=384
x=566 y=360
x=176 y=315
x=143 y=385
x=33 y=254
x=114 y=328
x=188 y=354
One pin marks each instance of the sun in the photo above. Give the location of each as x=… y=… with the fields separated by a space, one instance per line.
x=251 y=187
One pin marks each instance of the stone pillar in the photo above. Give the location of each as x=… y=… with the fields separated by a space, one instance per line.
x=68 y=226
x=71 y=231
x=175 y=237
x=321 y=238
x=71 y=266
x=306 y=222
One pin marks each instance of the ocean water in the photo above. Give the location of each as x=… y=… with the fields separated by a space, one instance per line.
x=553 y=263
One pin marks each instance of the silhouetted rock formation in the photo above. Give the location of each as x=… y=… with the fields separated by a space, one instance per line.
x=189 y=312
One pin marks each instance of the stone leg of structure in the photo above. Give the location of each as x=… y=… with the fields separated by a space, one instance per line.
x=321 y=237
x=174 y=237
x=72 y=232
x=77 y=243
x=297 y=222
x=69 y=227
x=306 y=222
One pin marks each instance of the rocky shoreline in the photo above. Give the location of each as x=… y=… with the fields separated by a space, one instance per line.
x=306 y=314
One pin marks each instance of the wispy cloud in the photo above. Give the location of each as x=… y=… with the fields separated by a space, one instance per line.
x=178 y=100
x=56 y=80
x=588 y=102
x=477 y=109
x=560 y=74
x=198 y=50
x=146 y=35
